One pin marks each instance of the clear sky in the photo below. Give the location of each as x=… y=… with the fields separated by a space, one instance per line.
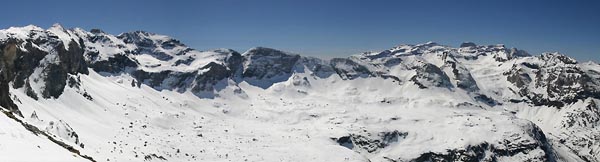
x=335 y=28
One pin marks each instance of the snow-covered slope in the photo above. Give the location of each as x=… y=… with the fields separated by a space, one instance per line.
x=141 y=96
x=21 y=145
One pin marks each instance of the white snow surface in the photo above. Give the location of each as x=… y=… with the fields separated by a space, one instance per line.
x=125 y=123
x=20 y=145
x=285 y=121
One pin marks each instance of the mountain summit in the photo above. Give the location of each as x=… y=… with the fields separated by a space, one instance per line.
x=77 y=95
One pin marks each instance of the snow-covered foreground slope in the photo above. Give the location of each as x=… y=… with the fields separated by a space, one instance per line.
x=141 y=96
x=125 y=123
x=20 y=145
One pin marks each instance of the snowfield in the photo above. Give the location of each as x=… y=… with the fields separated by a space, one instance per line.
x=141 y=96
x=125 y=123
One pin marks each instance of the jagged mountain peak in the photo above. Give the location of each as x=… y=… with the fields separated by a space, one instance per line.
x=29 y=27
x=467 y=50
x=224 y=50
x=142 y=37
x=22 y=33
x=428 y=43
x=97 y=31
x=556 y=57
x=140 y=33
x=265 y=51
x=468 y=44
x=57 y=25
x=591 y=63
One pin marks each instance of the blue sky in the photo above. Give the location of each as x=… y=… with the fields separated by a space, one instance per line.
x=335 y=28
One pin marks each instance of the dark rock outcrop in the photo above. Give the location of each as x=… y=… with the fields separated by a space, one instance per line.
x=146 y=45
x=349 y=69
x=468 y=44
x=462 y=76
x=115 y=64
x=265 y=63
x=430 y=75
x=370 y=142
x=563 y=81
x=506 y=148
x=9 y=53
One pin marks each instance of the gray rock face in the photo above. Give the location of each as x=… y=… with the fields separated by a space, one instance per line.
x=479 y=152
x=587 y=116
x=461 y=75
x=580 y=126
x=21 y=57
x=266 y=63
x=319 y=68
x=264 y=66
x=115 y=64
x=203 y=80
x=214 y=74
x=259 y=66
x=429 y=75
x=71 y=62
x=493 y=151
x=349 y=69
x=368 y=142
x=561 y=78
x=146 y=45
x=25 y=63
x=9 y=54
x=468 y=44
x=518 y=77
x=499 y=52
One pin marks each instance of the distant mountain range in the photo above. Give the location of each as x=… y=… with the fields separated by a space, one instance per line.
x=77 y=95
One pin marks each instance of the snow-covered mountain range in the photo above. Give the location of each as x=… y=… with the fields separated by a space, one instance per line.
x=77 y=95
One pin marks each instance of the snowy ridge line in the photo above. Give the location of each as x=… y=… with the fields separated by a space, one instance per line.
x=36 y=131
x=141 y=96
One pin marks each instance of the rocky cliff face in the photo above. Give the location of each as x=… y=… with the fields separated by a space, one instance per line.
x=165 y=63
x=42 y=62
x=552 y=79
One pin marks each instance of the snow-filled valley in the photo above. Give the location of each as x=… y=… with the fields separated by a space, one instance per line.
x=76 y=95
